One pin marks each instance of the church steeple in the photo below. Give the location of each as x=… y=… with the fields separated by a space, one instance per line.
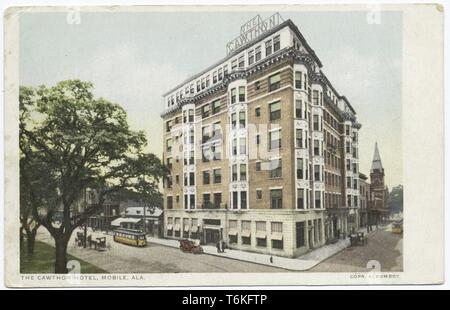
x=376 y=162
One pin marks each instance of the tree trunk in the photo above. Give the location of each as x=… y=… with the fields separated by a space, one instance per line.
x=31 y=238
x=61 y=254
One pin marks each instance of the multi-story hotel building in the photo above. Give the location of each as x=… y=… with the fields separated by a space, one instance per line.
x=262 y=149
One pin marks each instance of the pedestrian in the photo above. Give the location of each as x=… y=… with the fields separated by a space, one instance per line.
x=218 y=247
x=223 y=246
x=271 y=259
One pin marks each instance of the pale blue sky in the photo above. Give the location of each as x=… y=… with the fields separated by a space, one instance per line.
x=133 y=58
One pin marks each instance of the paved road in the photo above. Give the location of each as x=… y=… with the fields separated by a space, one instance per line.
x=156 y=259
x=383 y=246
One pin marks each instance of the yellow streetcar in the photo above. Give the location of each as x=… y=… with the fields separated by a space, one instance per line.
x=397 y=227
x=130 y=237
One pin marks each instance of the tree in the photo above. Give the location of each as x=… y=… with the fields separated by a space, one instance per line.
x=396 y=199
x=83 y=142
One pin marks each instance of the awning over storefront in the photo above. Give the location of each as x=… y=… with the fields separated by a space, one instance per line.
x=232 y=232
x=186 y=227
x=169 y=226
x=120 y=220
x=261 y=234
x=246 y=233
x=276 y=236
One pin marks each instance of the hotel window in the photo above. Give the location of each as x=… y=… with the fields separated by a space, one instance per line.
x=191 y=157
x=257 y=53
x=274 y=82
x=235 y=200
x=298 y=80
x=257 y=85
x=241 y=120
x=268 y=47
x=275 y=168
x=243 y=172
x=191 y=115
x=207 y=81
x=276 y=43
x=206 y=201
x=258 y=112
x=191 y=88
x=277 y=230
x=216 y=107
x=299 y=109
x=205 y=134
x=355 y=184
x=243 y=200
x=217 y=200
x=299 y=138
x=203 y=83
x=177 y=199
x=234 y=175
x=217 y=176
x=300 y=234
x=206 y=154
x=355 y=201
x=214 y=77
x=349 y=182
x=233 y=65
x=169 y=202
x=258 y=194
x=225 y=70
x=245 y=226
x=186 y=179
x=275 y=139
x=347 y=130
x=206 y=177
x=318 y=199
x=233 y=121
x=177 y=179
x=186 y=204
x=241 y=61
x=316 y=122
x=169 y=125
x=242 y=146
x=349 y=201
x=169 y=163
x=316 y=148
x=258 y=139
x=241 y=93
x=258 y=166
x=217 y=151
x=192 y=201
x=276 y=198
x=233 y=95
x=191 y=178
x=232 y=226
x=261 y=239
x=205 y=111
x=275 y=111
x=169 y=145
x=300 y=198
x=317 y=173
x=234 y=146
x=300 y=168
x=251 y=57
x=347 y=147
x=219 y=74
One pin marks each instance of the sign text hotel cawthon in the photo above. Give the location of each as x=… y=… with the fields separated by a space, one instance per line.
x=253 y=29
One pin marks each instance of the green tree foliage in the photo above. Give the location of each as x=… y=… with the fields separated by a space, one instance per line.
x=71 y=141
x=396 y=199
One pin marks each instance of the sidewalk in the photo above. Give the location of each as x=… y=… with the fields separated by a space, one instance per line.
x=301 y=263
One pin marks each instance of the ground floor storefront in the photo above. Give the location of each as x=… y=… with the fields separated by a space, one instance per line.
x=288 y=233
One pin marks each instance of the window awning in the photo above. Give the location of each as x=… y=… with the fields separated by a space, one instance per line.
x=186 y=227
x=169 y=226
x=177 y=227
x=276 y=236
x=232 y=232
x=194 y=229
x=246 y=233
x=261 y=234
x=120 y=220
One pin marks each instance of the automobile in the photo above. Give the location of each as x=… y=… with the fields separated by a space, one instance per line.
x=189 y=246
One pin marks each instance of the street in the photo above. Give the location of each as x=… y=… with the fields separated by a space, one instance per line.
x=383 y=246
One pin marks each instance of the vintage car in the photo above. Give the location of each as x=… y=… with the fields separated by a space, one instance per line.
x=189 y=246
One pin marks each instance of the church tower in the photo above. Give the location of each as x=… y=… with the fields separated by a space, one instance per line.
x=378 y=191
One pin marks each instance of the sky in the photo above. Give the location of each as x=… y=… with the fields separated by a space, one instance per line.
x=134 y=57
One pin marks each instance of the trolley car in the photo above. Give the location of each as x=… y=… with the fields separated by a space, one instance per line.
x=397 y=227
x=130 y=237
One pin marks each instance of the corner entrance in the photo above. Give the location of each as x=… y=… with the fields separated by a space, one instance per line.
x=212 y=236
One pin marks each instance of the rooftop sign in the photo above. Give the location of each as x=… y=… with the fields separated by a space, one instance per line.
x=253 y=29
